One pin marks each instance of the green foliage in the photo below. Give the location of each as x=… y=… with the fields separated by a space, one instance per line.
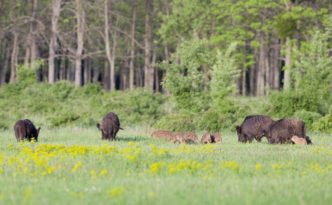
x=298 y=17
x=313 y=76
x=224 y=73
x=177 y=122
x=185 y=79
x=308 y=117
x=200 y=85
x=222 y=116
x=324 y=124
x=286 y=103
x=65 y=117
x=63 y=103
x=313 y=68
x=27 y=75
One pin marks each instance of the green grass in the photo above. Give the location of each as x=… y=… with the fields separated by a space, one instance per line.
x=139 y=170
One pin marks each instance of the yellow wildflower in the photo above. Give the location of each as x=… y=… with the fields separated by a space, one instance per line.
x=258 y=166
x=103 y=172
x=116 y=191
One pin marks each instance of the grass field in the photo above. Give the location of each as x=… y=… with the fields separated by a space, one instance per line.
x=74 y=166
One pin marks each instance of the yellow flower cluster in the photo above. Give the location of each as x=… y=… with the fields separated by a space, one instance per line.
x=34 y=159
x=230 y=165
x=158 y=151
x=190 y=166
x=116 y=192
x=45 y=159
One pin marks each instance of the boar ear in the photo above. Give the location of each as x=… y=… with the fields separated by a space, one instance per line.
x=238 y=128
x=39 y=128
x=98 y=126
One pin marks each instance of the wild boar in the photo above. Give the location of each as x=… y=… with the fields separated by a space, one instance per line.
x=162 y=134
x=254 y=127
x=284 y=129
x=188 y=138
x=25 y=129
x=299 y=140
x=109 y=126
x=217 y=137
x=211 y=138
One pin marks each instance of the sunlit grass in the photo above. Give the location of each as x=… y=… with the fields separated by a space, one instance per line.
x=73 y=165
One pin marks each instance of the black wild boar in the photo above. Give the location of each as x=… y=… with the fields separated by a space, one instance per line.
x=25 y=129
x=211 y=138
x=283 y=130
x=254 y=126
x=109 y=126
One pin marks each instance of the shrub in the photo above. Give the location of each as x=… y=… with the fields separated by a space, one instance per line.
x=308 y=117
x=187 y=76
x=224 y=115
x=177 y=122
x=286 y=103
x=63 y=118
x=63 y=104
x=324 y=124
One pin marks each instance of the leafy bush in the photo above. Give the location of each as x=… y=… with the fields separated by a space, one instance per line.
x=312 y=76
x=324 y=124
x=225 y=115
x=286 y=103
x=177 y=122
x=187 y=78
x=308 y=117
x=63 y=103
x=63 y=118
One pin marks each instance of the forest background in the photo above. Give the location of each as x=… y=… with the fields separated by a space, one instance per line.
x=171 y=64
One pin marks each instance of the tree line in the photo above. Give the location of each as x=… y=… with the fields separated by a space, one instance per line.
x=137 y=43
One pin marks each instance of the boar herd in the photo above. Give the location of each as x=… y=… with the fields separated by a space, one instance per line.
x=277 y=132
x=253 y=127
x=186 y=137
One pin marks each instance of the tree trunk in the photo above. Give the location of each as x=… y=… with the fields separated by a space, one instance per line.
x=56 y=4
x=80 y=16
x=107 y=76
x=112 y=61
x=124 y=74
x=63 y=66
x=34 y=54
x=14 y=56
x=275 y=63
x=95 y=75
x=6 y=60
x=27 y=52
x=132 y=44
x=267 y=71
x=110 y=54
x=87 y=71
x=243 y=83
x=261 y=66
x=148 y=68
x=252 y=77
x=139 y=76
x=155 y=72
x=287 y=83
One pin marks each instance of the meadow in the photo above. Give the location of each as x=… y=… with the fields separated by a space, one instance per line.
x=72 y=165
